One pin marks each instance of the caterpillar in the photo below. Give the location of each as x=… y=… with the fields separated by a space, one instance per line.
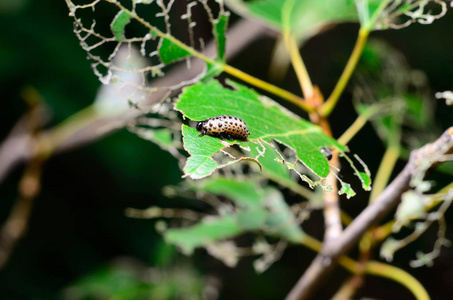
x=224 y=127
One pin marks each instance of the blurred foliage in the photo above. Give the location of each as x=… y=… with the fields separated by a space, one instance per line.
x=126 y=279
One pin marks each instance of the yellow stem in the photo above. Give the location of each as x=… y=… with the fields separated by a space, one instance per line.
x=69 y=126
x=353 y=129
x=400 y=276
x=329 y=105
x=290 y=97
x=299 y=66
x=391 y=155
x=375 y=268
x=361 y=120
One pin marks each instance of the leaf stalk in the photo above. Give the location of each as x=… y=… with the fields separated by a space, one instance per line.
x=327 y=108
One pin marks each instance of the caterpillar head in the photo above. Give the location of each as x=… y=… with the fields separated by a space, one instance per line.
x=200 y=126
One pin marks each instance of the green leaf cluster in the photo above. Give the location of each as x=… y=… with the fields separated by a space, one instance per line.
x=255 y=209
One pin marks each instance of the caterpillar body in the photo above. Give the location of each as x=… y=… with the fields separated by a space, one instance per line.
x=224 y=127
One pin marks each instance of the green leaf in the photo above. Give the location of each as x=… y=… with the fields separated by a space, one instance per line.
x=257 y=206
x=212 y=70
x=347 y=190
x=271 y=165
x=251 y=220
x=306 y=16
x=281 y=220
x=368 y=12
x=365 y=179
x=203 y=233
x=163 y=137
x=256 y=209
x=266 y=120
x=219 y=28
x=274 y=169
x=247 y=195
x=200 y=164
x=118 y=25
x=170 y=51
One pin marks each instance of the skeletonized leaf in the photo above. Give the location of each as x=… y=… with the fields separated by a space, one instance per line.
x=257 y=209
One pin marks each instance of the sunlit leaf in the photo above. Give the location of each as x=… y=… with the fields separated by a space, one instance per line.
x=200 y=164
x=266 y=120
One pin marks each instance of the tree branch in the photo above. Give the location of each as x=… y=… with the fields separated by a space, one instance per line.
x=326 y=260
x=15 y=149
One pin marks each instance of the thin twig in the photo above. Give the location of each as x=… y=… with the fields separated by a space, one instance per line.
x=16 y=224
x=332 y=212
x=384 y=203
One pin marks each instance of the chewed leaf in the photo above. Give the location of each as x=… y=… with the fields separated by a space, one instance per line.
x=256 y=209
x=281 y=221
x=265 y=119
x=203 y=233
x=365 y=177
x=219 y=28
x=118 y=24
x=247 y=195
x=347 y=190
x=169 y=51
x=266 y=206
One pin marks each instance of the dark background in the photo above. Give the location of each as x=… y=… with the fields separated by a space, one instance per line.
x=78 y=226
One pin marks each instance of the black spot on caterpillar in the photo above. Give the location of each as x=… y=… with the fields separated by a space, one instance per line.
x=224 y=127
